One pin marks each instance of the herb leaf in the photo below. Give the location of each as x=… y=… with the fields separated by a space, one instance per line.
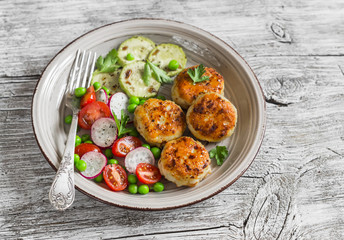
x=121 y=126
x=108 y=64
x=220 y=153
x=159 y=74
x=147 y=74
x=196 y=74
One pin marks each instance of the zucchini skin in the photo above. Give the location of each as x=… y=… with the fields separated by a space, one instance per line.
x=162 y=54
x=131 y=81
x=139 y=46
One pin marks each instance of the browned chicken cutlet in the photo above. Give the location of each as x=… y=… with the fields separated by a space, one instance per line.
x=184 y=91
x=159 y=121
x=211 y=117
x=185 y=162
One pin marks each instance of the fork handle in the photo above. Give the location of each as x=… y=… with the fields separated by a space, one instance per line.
x=62 y=191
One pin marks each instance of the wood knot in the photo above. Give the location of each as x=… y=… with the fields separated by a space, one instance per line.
x=281 y=90
x=280 y=33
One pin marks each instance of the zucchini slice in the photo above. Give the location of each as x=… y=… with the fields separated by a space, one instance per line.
x=138 y=46
x=164 y=53
x=108 y=80
x=131 y=81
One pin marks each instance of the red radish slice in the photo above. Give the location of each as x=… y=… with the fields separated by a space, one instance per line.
x=118 y=102
x=95 y=164
x=102 y=96
x=136 y=156
x=104 y=132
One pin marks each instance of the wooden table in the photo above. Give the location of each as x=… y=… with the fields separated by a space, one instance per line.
x=294 y=188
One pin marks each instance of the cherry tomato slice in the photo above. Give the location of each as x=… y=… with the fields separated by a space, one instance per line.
x=147 y=173
x=83 y=148
x=90 y=96
x=92 y=112
x=124 y=145
x=115 y=177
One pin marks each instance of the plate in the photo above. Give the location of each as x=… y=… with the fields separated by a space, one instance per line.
x=241 y=88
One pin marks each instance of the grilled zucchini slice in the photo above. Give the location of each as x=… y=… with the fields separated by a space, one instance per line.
x=108 y=80
x=131 y=81
x=164 y=53
x=138 y=46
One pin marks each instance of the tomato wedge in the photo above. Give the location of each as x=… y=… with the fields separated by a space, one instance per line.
x=115 y=177
x=92 y=112
x=90 y=96
x=147 y=173
x=124 y=145
x=83 y=148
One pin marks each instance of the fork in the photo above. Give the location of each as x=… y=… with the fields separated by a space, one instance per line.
x=62 y=191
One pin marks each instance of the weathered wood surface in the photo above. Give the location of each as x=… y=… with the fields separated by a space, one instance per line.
x=294 y=188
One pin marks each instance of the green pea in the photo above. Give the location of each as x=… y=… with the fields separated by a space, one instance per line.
x=68 y=119
x=130 y=57
x=134 y=100
x=158 y=187
x=80 y=91
x=134 y=132
x=106 y=90
x=161 y=97
x=156 y=152
x=132 y=178
x=132 y=188
x=76 y=159
x=108 y=153
x=143 y=189
x=88 y=141
x=142 y=101
x=77 y=140
x=85 y=137
x=132 y=107
x=96 y=86
x=173 y=65
x=99 y=178
x=112 y=161
x=81 y=165
x=146 y=146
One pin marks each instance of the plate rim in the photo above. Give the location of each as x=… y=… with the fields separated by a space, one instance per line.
x=261 y=137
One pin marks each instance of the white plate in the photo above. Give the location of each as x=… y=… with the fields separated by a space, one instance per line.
x=241 y=87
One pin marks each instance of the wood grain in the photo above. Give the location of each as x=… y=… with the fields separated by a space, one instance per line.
x=294 y=188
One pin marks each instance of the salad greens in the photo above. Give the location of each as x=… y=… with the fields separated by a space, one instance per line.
x=159 y=74
x=197 y=74
x=121 y=125
x=220 y=153
x=109 y=63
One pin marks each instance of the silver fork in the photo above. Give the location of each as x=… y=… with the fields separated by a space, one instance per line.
x=62 y=191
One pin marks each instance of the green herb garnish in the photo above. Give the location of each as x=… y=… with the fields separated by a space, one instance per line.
x=121 y=126
x=147 y=73
x=159 y=74
x=108 y=64
x=197 y=74
x=220 y=153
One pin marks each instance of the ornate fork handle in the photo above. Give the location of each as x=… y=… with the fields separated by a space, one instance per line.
x=62 y=191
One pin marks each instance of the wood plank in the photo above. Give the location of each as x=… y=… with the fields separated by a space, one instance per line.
x=292 y=190
x=31 y=34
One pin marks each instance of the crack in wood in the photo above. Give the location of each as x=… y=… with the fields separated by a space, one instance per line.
x=173 y=232
x=334 y=151
x=285 y=219
x=20 y=76
x=341 y=70
x=276 y=102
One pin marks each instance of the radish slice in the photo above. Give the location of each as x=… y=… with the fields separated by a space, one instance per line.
x=102 y=96
x=136 y=156
x=95 y=164
x=118 y=102
x=104 y=132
